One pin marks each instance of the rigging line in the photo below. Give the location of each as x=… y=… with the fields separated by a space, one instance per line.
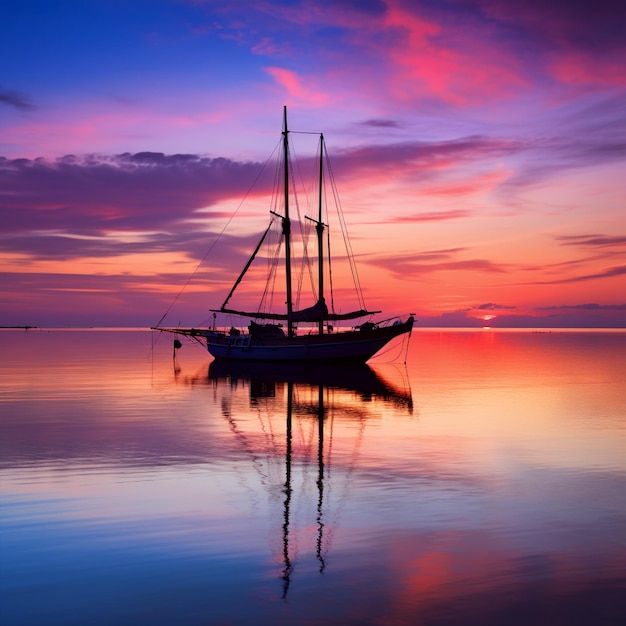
x=230 y=219
x=295 y=165
x=406 y=352
x=273 y=276
x=348 y=472
x=302 y=132
x=401 y=346
x=328 y=253
x=305 y=261
x=248 y=264
x=330 y=273
x=346 y=238
x=305 y=265
x=248 y=448
x=329 y=466
x=312 y=192
x=306 y=236
x=315 y=195
x=391 y=346
x=268 y=292
x=276 y=241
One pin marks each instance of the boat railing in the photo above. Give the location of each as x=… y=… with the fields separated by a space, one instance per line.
x=239 y=341
x=396 y=320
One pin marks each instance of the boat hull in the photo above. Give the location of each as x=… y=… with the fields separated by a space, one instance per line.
x=347 y=347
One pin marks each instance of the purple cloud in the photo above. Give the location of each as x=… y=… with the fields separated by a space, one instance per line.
x=490 y=306
x=408 y=266
x=429 y=216
x=51 y=207
x=592 y=306
x=15 y=100
x=381 y=123
x=97 y=195
x=591 y=240
x=609 y=273
x=427 y=155
x=597 y=26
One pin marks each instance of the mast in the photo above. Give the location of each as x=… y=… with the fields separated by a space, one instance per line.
x=319 y=227
x=287 y=228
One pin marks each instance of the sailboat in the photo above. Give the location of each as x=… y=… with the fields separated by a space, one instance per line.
x=305 y=335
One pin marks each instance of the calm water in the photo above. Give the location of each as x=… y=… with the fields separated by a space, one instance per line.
x=485 y=482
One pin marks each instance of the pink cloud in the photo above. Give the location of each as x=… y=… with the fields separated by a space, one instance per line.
x=581 y=43
x=469 y=71
x=412 y=266
x=579 y=69
x=292 y=83
x=429 y=216
x=479 y=184
x=435 y=168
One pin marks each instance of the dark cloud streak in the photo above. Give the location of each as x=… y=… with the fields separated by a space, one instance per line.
x=97 y=194
x=490 y=306
x=381 y=123
x=16 y=100
x=410 y=266
x=591 y=240
x=592 y=306
x=583 y=25
x=609 y=273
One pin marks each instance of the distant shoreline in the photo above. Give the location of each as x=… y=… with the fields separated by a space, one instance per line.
x=19 y=327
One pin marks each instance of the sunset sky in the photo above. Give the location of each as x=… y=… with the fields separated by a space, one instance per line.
x=479 y=149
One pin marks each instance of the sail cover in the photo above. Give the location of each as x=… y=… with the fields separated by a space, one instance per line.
x=311 y=314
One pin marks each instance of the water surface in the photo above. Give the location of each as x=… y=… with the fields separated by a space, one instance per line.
x=483 y=482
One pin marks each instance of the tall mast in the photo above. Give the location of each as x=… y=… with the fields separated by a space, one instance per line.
x=287 y=228
x=320 y=238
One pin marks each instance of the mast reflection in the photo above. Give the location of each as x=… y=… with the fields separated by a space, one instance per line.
x=288 y=491
x=317 y=391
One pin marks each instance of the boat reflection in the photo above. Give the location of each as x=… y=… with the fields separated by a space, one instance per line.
x=361 y=380
x=334 y=404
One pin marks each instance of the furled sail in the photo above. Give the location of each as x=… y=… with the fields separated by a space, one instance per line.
x=311 y=314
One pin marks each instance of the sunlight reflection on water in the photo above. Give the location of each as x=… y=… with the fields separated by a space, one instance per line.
x=483 y=482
